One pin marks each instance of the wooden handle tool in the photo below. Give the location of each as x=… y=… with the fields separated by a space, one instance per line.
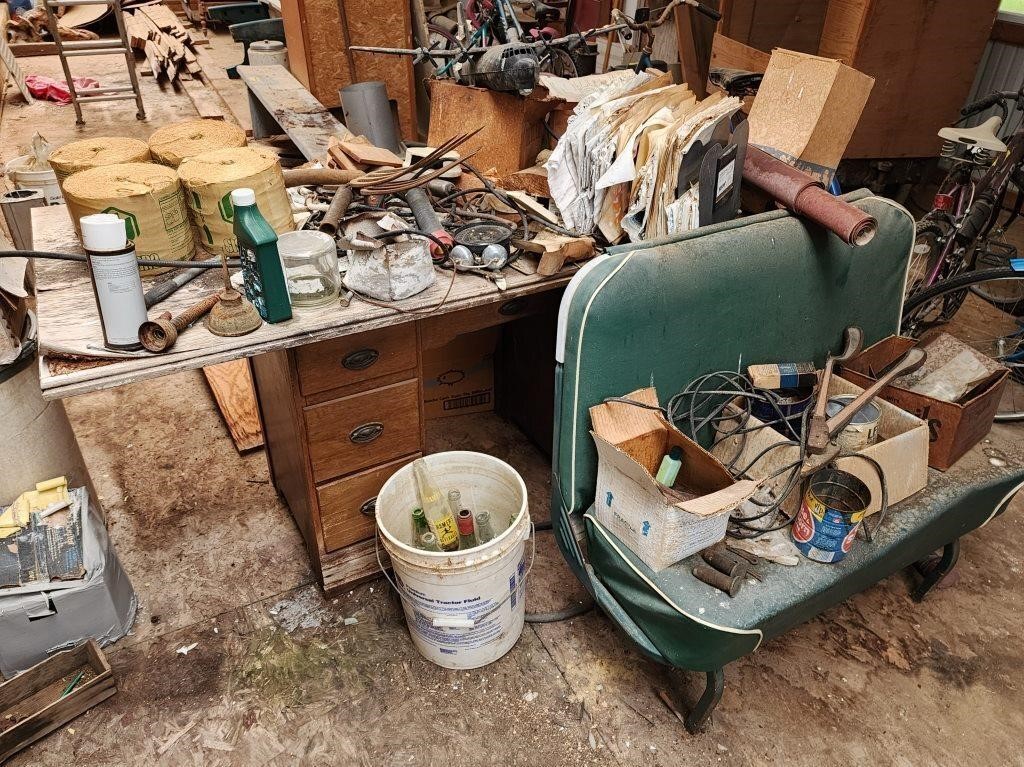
x=817 y=430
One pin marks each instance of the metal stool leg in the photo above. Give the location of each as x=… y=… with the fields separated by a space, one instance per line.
x=935 y=573
x=698 y=717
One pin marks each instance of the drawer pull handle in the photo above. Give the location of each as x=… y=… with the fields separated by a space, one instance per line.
x=369 y=507
x=360 y=360
x=513 y=307
x=366 y=433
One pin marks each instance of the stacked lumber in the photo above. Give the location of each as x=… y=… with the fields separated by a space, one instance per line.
x=169 y=48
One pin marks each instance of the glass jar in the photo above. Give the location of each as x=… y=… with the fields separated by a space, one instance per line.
x=310 y=267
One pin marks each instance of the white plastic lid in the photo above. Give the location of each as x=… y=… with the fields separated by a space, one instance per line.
x=103 y=232
x=243 y=196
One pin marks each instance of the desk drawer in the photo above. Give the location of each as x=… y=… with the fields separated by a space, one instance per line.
x=347 y=505
x=351 y=359
x=440 y=329
x=362 y=430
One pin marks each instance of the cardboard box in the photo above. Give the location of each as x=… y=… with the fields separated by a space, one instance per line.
x=35 y=622
x=901 y=451
x=458 y=378
x=953 y=428
x=661 y=526
x=807 y=109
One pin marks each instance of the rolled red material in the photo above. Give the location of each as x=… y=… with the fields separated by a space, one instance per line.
x=808 y=198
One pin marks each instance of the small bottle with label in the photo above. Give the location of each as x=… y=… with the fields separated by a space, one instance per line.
x=265 y=285
x=116 y=283
x=670 y=466
x=435 y=507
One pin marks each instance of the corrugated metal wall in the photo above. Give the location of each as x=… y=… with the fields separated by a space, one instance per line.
x=1001 y=69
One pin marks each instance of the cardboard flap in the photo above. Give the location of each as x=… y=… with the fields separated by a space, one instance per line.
x=726 y=498
x=618 y=422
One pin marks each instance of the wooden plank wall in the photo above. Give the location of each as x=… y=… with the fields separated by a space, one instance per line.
x=923 y=54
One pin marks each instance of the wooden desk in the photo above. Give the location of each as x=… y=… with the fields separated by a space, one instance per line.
x=340 y=390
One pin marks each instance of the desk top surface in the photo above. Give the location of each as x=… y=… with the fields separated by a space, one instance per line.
x=73 y=360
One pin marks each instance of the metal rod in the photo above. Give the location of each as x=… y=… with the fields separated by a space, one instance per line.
x=339 y=205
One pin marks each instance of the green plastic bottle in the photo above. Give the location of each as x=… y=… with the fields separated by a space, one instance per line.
x=265 y=285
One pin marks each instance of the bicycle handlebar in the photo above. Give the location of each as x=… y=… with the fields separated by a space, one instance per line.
x=988 y=101
x=708 y=11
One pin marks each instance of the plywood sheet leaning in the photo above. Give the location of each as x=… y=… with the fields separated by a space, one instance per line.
x=232 y=387
x=923 y=55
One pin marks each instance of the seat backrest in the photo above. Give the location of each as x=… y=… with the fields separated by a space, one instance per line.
x=766 y=288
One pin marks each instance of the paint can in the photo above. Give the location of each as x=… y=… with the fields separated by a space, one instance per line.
x=830 y=515
x=862 y=431
x=792 y=403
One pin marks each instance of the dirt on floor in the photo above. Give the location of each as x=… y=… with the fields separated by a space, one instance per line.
x=277 y=676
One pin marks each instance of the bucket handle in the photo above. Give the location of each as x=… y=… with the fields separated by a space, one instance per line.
x=464 y=622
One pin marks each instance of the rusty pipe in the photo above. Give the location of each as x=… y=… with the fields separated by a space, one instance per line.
x=806 y=197
x=160 y=334
x=338 y=207
x=319 y=176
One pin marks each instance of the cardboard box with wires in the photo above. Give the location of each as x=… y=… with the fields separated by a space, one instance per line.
x=661 y=525
x=901 y=450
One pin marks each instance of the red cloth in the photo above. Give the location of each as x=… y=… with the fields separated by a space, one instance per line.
x=57 y=90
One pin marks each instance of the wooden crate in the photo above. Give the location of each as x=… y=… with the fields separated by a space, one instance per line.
x=34 y=699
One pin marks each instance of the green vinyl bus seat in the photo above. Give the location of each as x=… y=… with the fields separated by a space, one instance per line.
x=758 y=289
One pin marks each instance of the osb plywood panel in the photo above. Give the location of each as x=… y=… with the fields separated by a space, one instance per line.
x=317 y=57
x=923 y=55
x=385 y=23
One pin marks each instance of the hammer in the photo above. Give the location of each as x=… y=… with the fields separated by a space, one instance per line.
x=817 y=428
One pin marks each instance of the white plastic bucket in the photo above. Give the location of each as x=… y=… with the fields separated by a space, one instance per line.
x=43 y=180
x=465 y=609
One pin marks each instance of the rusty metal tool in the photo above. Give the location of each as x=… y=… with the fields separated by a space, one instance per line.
x=725 y=562
x=730 y=584
x=338 y=207
x=817 y=431
x=160 y=334
x=911 y=361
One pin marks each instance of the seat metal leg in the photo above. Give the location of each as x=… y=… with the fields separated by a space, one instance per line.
x=701 y=712
x=935 y=573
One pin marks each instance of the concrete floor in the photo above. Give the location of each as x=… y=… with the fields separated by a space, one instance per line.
x=216 y=560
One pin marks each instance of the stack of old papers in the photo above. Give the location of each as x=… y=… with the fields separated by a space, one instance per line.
x=615 y=168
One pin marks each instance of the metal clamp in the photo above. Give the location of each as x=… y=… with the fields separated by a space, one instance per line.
x=368 y=432
x=360 y=359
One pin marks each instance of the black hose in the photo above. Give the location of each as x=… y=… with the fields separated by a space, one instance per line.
x=561 y=615
x=45 y=254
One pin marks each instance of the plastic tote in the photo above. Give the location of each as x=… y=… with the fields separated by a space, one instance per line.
x=465 y=609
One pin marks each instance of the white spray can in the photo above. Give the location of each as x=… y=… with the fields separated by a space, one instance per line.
x=115 y=280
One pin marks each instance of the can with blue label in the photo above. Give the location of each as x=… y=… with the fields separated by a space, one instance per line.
x=831 y=513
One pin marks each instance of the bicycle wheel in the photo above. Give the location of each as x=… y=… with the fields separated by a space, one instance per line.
x=990 y=330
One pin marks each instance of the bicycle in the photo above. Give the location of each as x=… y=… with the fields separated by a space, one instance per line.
x=962 y=231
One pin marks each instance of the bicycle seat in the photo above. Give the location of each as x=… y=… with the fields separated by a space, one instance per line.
x=982 y=136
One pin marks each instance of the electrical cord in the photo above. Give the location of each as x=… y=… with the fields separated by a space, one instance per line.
x=724 y=401
x=50 y=255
